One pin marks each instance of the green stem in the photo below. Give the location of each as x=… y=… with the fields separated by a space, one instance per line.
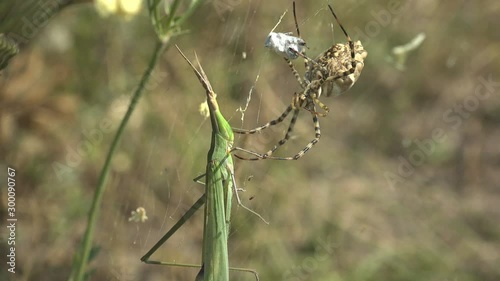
x=173 y=9
x=86 y=246
x=194 y=5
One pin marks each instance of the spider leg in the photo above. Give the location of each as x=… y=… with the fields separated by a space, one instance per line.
x=267 y=125
x=266 y=155
x=287 y=135
x=322 y=105
x=351 y=44
x=295 y=19
x=317 y=136
x=258 y=156
x=306 y=58
x=306 y=62
x=343 y=74
x=317 y=132
x=295 y=72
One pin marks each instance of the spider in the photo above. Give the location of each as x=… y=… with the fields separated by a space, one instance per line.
x=333 y=72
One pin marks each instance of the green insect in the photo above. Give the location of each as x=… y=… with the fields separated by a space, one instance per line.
x=219 y=188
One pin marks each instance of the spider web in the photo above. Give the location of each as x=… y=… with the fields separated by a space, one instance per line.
x=176 y=148
x=77 y=70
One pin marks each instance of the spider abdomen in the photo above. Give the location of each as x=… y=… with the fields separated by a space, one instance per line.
x=338 y=68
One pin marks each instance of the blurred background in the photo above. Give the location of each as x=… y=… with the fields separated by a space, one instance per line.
x=403 y=185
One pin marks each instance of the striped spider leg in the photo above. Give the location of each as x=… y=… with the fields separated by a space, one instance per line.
x=333 y=72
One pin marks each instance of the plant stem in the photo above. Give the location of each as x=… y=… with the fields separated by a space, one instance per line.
x=86 y=246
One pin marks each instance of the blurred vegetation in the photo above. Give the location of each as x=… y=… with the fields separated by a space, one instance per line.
x=334 y=215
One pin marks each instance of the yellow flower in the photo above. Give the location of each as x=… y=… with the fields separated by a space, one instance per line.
x=125 y=8
x=139 y=215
